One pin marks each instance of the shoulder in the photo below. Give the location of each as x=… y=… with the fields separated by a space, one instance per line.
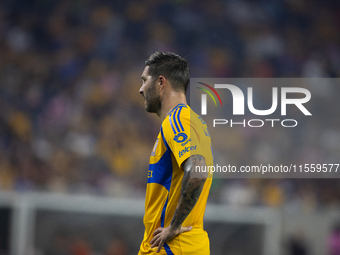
x=177 y=119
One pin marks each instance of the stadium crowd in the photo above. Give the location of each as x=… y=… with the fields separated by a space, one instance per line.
x=71 y=117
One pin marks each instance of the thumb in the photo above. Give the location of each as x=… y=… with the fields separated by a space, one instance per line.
x=186 y=229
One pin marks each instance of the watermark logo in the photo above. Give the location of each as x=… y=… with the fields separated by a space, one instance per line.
x=238 y=100
x=267 y=127
x=204 y=97
x=278 y=100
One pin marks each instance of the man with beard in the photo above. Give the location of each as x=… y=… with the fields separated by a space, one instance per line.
x=177 y=191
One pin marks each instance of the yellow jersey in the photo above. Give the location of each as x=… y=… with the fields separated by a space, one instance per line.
x=183 y=134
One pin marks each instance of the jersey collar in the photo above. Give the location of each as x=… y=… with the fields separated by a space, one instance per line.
x=176 y=107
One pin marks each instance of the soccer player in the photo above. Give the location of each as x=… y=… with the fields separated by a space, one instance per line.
x=177 y=190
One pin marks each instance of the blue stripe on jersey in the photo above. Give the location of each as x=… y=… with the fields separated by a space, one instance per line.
x=172 y=114
x=173 y=129
x=167 y=249
x=163 y=212
x=174 y=118
x=179 y=121
x=162 y=171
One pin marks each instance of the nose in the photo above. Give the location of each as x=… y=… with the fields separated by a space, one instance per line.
x=141 y=90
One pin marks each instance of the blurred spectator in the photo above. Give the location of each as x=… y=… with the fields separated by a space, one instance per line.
x=273 y=194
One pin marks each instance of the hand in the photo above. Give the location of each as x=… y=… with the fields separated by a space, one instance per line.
x=161 y=235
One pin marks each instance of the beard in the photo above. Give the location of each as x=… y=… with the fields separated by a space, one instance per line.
x=152 y=100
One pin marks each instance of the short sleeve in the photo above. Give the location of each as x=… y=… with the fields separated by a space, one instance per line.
x=182 y=138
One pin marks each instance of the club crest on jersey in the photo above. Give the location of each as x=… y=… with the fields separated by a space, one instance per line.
x=180 y=138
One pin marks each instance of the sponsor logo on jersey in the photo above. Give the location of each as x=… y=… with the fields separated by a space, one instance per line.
x=185 y=143
x=187 y=149
x=181 y=137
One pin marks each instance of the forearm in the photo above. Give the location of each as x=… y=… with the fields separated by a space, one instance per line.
x=192 y=186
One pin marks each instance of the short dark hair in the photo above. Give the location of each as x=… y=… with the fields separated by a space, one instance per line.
x=172 y=67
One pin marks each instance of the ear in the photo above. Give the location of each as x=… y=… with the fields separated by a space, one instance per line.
x=162 y=82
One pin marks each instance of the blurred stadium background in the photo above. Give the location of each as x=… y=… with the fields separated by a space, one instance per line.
x=71 y=117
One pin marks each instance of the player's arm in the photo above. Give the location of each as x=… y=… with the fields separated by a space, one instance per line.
x=192 y=185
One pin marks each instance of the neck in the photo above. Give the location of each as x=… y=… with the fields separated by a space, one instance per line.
x=169 y=102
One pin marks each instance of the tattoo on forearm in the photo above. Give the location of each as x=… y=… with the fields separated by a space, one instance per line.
x=192 y=186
